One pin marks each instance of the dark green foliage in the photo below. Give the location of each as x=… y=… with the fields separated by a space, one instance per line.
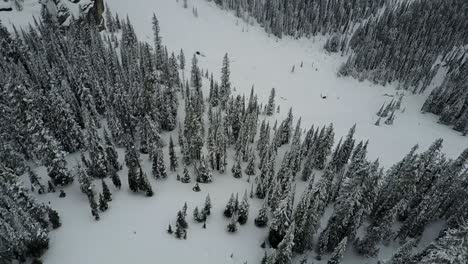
x=186 y=178
x=54 y=219
x=262 y=219
x=107 y=195
x=103 y=206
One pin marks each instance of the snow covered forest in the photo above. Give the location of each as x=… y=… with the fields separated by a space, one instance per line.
x=120 y=146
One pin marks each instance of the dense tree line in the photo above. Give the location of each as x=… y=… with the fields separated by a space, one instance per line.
x=66 y=86
x=303 y=17
x=409 y=43
x=388 y=41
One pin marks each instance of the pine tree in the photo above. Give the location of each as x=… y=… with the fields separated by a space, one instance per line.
x=172 y=155
x=337 y=254
x=207 y=207
x=103 y=206
x=284 y=254
x=169 y=229
x=186 y=177
x=270 y=107
x=204 y=173
x=403 y=255
x=54 y=218
x=237 y=170
x=34 y=180
x=182 y=59
x=115 y=179
x=109 y=20
x=107 y=195
x=262 y=219
x=243 y=212
x=250 y=169
x=158 y=166
x=232 y=226
x=180 y=222
x=230 y=207
x=225 y=88
x=281 y=221
x=144 y=184
x=449 y=247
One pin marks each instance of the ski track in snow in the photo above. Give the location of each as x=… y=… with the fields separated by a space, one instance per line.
x=134 y=229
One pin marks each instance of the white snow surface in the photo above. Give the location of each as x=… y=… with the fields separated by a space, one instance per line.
x=134 y=229
x=265 y=62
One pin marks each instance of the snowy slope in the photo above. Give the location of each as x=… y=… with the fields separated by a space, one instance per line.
x=260 y=60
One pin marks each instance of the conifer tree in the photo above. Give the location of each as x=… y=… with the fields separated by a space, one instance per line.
x=237 y=170
x=232 y=226
x=103 y=206
x=186 y=178
x=207 y=206
x=337 y=254
x=262 y=218
x=180 y=222
x=54 y=218
x=225 y=87
x=115 y=179
x=158 y=166
x=284 y=254
x=250 y=169
x=182 y=59
x=107 y=195
x=34 y=180
x=403 y=254
x=230 y=207
x=270 y=107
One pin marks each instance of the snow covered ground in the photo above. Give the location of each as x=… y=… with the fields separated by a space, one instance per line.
x=261 y=60
x=134 y=229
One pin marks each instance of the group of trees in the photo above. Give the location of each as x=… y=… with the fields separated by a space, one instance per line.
x=388 y=41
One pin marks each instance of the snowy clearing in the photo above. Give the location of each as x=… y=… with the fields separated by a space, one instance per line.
x=134 y=229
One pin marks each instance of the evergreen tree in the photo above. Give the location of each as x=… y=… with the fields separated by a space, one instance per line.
x=204 y=173
x=403 y=255
x=207 y=206
x=103 y=206
x=186 y=178
x=237 y=170
x=337 y=254
x=284 y=254
x=34 y=179
x=450 y=247
x=107 y=195
x=182 y=59
x=180 y=222
x=230 y=207
x=270 y=107
x=54 y=219
x=158 y=166
x=225 y=87
x=250 y=169
x=262 y=218
x=232 y=226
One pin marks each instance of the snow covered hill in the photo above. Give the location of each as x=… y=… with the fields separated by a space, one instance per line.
x=22 y=11
x=264 y=62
